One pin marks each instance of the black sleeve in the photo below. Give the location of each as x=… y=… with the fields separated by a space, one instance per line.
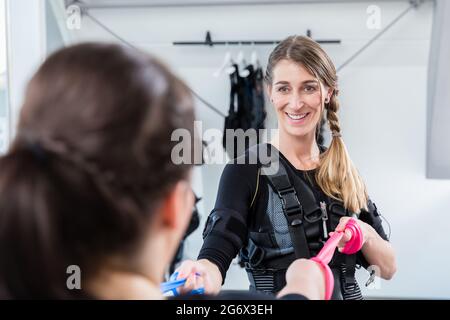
x=225 y=231
x=371 y=217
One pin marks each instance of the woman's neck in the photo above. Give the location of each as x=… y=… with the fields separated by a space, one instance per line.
x=303 y=152
x=120 y=285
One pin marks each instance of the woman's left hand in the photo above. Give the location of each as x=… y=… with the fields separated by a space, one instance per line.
x=367 y=231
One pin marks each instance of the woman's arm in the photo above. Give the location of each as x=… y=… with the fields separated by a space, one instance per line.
x=377 y=251
x=225 y=231
x=200 y=274
x=303 y=277
x=306 y=278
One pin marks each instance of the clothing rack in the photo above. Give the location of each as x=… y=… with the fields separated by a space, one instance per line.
x=209 y=42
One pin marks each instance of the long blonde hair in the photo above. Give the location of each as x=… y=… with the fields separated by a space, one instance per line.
x=337 y=176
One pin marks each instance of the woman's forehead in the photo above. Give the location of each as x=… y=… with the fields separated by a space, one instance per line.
x=291 y=72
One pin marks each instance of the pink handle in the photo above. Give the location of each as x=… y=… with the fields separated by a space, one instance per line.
x=326 y=254
x=356 y=241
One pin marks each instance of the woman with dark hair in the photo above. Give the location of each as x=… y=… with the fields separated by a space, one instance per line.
x=90 y=181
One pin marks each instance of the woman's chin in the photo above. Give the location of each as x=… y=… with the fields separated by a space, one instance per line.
x=299 y=132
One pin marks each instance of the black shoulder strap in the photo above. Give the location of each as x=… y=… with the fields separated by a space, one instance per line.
x=279 y=169
x=292 y=209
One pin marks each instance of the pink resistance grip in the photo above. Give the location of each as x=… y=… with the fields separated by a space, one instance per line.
x=326 y=254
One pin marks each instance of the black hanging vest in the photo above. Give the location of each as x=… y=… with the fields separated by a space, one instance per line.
x=288 y=229
x=246 y=108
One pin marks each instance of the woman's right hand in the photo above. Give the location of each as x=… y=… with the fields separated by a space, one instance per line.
x=305 y=277
x=199 y=274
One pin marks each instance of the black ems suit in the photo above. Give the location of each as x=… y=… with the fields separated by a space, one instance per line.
x=263 y=214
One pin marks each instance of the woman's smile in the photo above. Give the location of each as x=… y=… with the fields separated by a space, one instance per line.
x=297 y=118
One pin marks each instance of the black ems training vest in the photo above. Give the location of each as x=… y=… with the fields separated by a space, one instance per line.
x=284 y=231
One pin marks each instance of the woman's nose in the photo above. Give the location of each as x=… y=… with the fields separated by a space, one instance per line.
x=297 y=101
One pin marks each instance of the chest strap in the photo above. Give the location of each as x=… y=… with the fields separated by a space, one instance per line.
x=292 y=209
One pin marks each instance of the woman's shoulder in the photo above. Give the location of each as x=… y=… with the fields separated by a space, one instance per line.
x=238 y=182
x=244 y=170
x=241 y=168
x=247 y=166
x=249 y=160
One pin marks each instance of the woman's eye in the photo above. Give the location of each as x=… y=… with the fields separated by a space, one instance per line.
x=283 y=89
x=310 y=89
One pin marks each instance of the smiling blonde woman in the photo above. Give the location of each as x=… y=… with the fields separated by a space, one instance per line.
x=249 y=216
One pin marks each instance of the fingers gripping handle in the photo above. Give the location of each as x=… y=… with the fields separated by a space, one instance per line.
x=356 y=241
x=173 y=284
x=326 y=254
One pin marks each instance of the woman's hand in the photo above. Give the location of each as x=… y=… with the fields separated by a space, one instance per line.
x=199 y=274
x=305 y=277
x=377 y=251
x=367 y=232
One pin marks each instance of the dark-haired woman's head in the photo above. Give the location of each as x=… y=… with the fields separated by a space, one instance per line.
x=89 y=180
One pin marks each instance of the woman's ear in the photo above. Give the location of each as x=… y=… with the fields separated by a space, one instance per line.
x=329 y=93
x=177 y=208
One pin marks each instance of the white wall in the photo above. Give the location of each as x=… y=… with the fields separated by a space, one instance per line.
x=383 y=115
x=3 y=62
x=29 y=33
x=26 y=49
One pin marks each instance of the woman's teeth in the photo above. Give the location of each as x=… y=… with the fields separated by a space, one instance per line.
x=297 y=116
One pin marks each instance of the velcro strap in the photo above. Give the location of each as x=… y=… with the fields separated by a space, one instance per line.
x=229 y=223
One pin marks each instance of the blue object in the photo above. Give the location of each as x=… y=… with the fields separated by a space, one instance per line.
x=198 y=291
x=173 y=284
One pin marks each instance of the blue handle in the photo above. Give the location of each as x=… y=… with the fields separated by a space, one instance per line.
x=173 y=284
